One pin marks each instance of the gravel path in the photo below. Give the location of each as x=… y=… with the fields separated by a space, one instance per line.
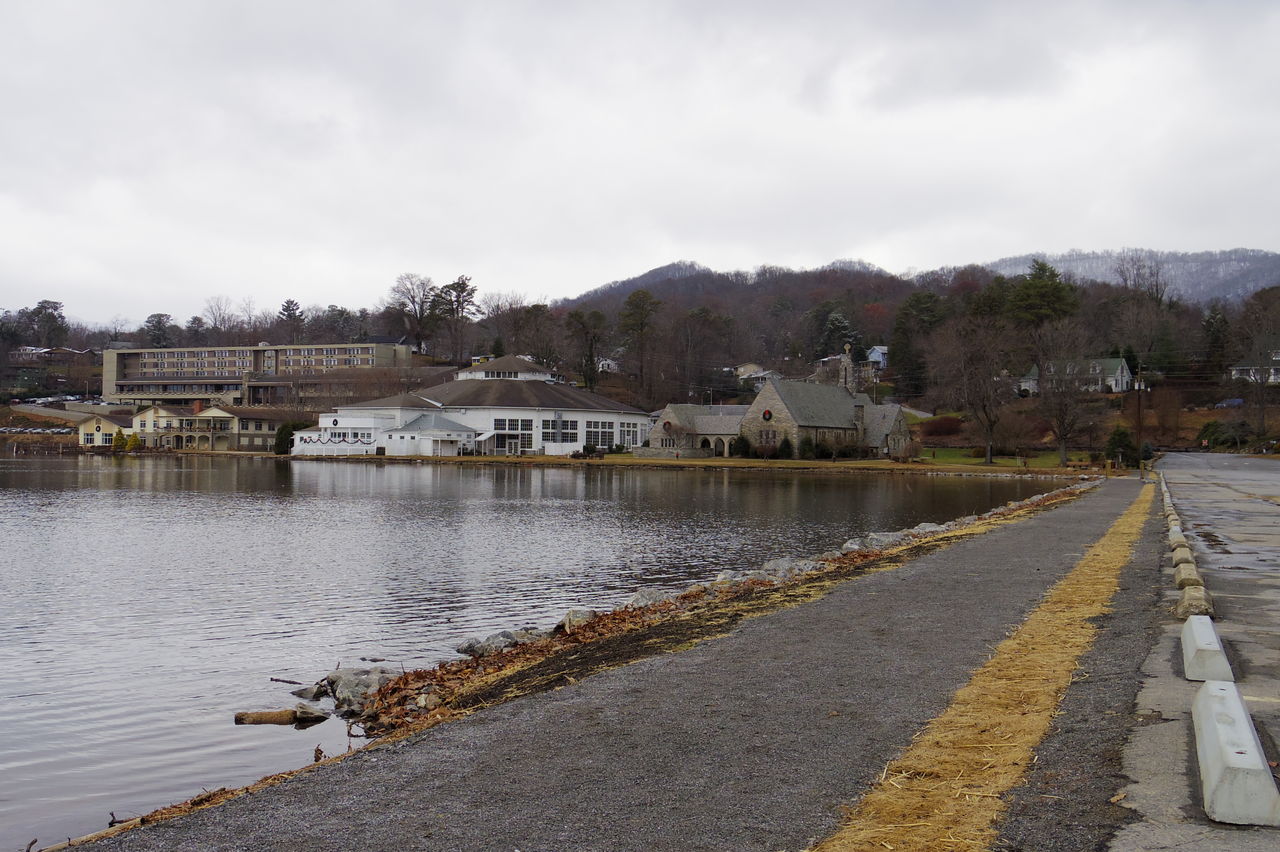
x=748 y=742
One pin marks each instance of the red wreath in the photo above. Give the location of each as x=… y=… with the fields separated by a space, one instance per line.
x=767 y=415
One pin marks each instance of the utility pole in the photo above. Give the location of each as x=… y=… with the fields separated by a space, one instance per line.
x=1139 y=416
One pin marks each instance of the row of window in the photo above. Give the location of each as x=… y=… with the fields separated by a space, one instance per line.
x=236 y=353
x=513 y=424
x=501 y=374
x=352 y=436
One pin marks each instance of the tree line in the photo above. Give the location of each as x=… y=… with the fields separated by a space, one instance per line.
x=957 y=337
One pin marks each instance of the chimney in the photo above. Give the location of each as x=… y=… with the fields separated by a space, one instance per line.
x=197 y=406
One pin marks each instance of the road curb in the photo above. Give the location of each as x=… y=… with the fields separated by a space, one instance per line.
x=1202 y=654
x=1234 y=776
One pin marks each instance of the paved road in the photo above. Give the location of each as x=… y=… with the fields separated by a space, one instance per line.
x=748 y=742
x=1230 y=510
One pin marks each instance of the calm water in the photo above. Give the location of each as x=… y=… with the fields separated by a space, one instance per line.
x=144 y=601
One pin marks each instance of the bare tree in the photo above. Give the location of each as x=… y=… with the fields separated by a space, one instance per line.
x=413 y=298
x=504 y=316
x=221 y=318
x=1062 y=381
x=968 y=360
x=1142 y=271
x=1260 y=331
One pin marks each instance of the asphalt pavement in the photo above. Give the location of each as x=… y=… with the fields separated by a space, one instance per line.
x=1230 y=510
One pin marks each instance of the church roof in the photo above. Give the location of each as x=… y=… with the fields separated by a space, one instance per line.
x=821 y=406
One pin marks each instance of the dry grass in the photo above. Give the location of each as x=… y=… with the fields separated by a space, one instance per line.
x=945 y=791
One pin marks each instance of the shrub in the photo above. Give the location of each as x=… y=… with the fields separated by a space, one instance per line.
x=806 y=447
x=133 y=444
x=740 y=447
x=588 y=449
x=1120 y=446
x=119 y=441
x=943 y=426
x=785 y=450
x=284 y=435
x=618 y=449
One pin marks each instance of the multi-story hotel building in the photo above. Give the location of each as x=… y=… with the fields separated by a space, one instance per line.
x=288 y=374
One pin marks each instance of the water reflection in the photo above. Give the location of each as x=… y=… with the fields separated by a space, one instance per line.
x=145 y=600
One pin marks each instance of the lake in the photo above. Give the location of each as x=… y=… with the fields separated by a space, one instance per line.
x=144 y=601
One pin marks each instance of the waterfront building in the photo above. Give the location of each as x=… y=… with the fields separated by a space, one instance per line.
x=191 y=427
x=695 y=431
x=835 y=415
x=292 y=375
x=508 y=406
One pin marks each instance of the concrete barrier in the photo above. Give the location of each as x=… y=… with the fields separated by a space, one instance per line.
x=1202 y=654
x=1182 y=556
x=1186 y=575
x=1194 y=601
x=1234 y=776
x=1176 y=538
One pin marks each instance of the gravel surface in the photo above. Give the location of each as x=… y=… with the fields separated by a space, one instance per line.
x=748 y=742
x=1065 y=802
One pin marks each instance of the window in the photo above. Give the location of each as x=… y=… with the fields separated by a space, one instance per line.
x=244 y=425
x=499 y=424
x=600 y=433
x=768 y=436
x=526 y=425
x=88 y=438
x=629 y=434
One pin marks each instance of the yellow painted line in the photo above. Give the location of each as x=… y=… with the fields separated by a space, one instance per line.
x=945 y=791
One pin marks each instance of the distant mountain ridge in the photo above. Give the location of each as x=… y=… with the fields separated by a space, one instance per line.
x=1193 y=276
x=1203 y=276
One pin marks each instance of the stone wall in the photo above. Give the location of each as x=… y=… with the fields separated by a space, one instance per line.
x=753 y=423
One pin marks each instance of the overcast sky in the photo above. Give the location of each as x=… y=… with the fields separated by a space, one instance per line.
x=154 y=154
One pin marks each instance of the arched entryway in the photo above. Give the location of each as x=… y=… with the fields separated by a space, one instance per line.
x=706 y=443
x=720 y=447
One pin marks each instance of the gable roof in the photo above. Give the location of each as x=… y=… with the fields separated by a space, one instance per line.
x=708 y=419
x=433 y=421
x=879 y=423
x=123 y=421
x=823 y=406
x=402 y=400
x=513 y=393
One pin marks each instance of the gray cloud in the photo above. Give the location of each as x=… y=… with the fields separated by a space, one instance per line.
x=157 y=154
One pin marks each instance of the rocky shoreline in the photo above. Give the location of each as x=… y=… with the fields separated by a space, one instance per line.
x=380 y=701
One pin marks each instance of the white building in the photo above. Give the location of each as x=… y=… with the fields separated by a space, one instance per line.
x=508 y=406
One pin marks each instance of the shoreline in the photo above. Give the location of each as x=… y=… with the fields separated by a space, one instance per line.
x=615 y=638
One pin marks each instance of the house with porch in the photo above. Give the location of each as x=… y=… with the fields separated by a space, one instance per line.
x=216 y=428
x=1097 y=375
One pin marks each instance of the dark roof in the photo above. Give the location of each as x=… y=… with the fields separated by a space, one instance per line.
x=824 y=406
x=879 y=423
x=404 y=400
x=120 y=420
x=260 y=412
x=513 y=393
x=433 y=421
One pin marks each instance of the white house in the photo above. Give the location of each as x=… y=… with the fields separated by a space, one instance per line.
x=508 y=406
x=1100 y=375
x=403 y=425
x=1265 y=373
x=878 y=355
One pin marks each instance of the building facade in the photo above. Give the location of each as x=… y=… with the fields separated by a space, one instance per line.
x=493 y=414
x=241 y=375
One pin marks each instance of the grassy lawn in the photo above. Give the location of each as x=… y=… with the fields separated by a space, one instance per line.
x=964 y=456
